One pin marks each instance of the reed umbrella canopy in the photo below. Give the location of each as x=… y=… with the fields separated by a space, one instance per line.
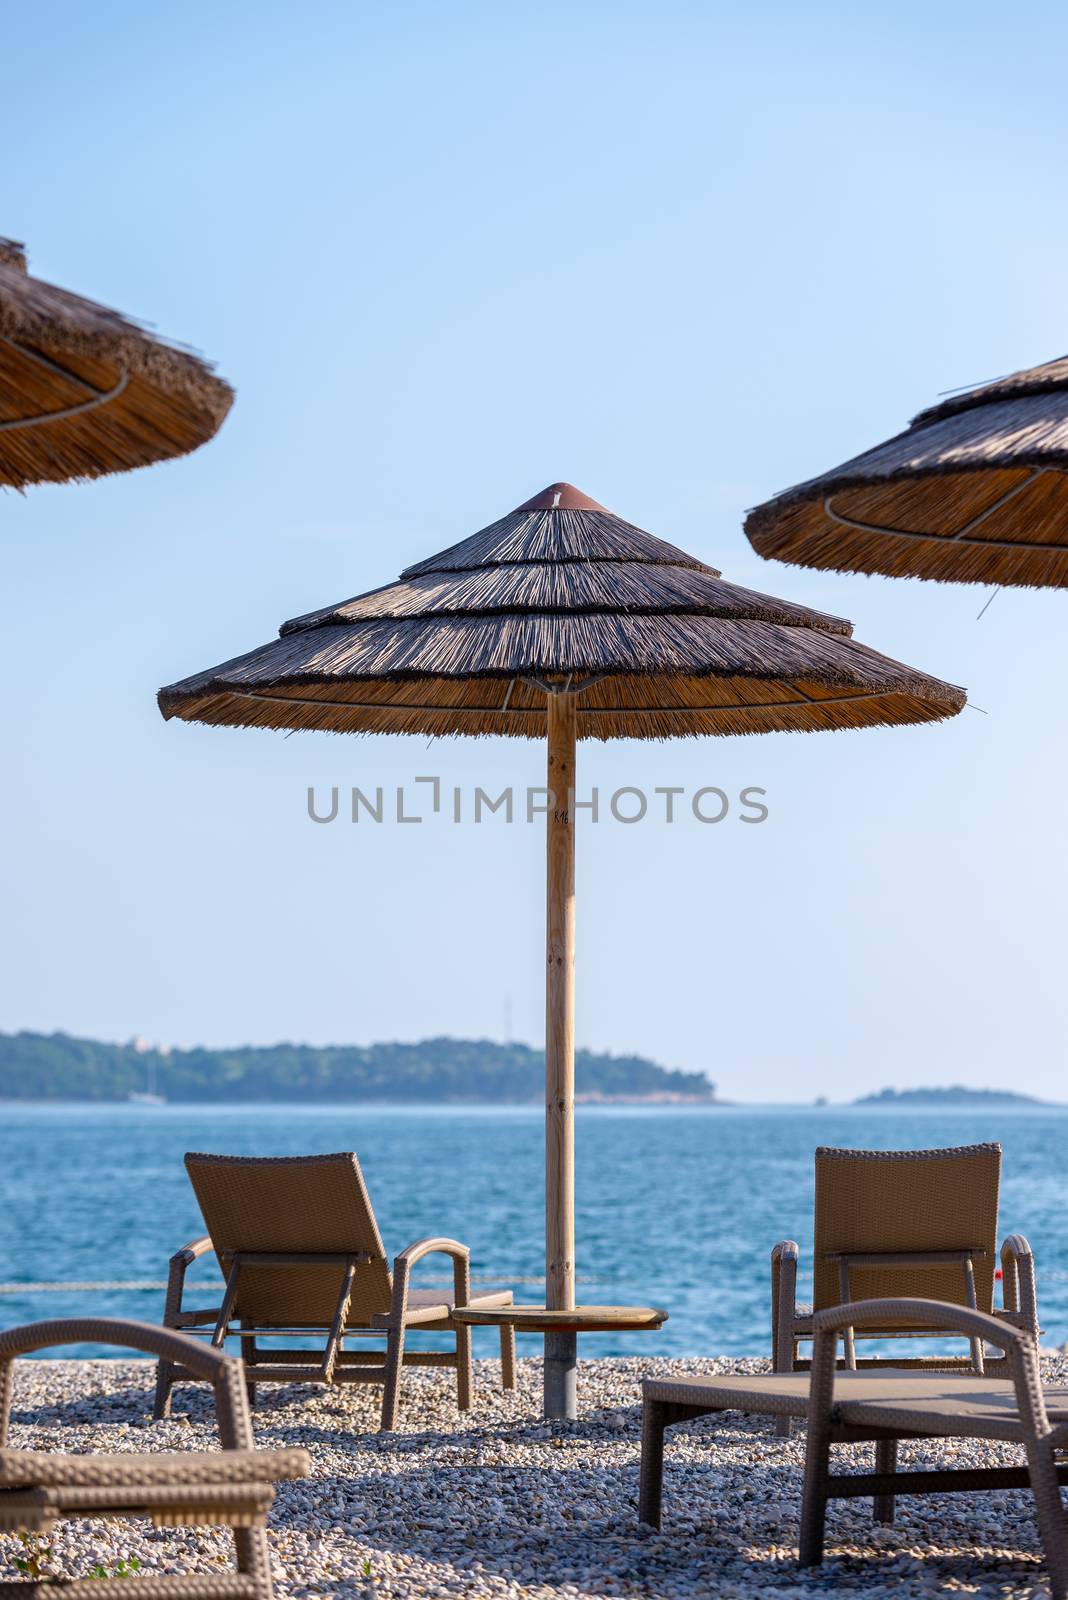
x=562 y=597
x=85 y=392
x=562 y=621
x=974 y=491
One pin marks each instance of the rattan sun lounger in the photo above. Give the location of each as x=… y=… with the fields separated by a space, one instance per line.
x=850 y=1406
x=903 y=1223
x=231 y=1487
x=302 y=1256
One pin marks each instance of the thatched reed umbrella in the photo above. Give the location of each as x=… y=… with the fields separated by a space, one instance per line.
x=974 y=491
x=562 y=622
x=84 y=392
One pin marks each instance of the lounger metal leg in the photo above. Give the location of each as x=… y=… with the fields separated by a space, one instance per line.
x=248 y=1356
x=161 y=1406
x=391 y=1391
x=975 y=1345
x=844 y=1294
x=7 y=1390
x=885 y=1461
x=337 y=1327
x=651 y=1481
x=814 y=1497
x=1049 y=1514
x=226 y=1310
x=463 y=1366
x=507 y=1356
x=783 y=1427
x=253 y=1559
x=561 y=1366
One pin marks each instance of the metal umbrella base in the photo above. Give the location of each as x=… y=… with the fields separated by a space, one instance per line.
x=561 y=1375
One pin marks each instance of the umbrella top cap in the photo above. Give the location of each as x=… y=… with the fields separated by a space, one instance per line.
x=560 y=497
x=558 y=526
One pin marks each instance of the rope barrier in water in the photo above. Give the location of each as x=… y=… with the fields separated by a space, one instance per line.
x=136 y=1285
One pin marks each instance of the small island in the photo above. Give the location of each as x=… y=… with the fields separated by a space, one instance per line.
x=954 y=1095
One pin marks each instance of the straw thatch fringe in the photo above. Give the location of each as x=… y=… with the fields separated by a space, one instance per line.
x=85 y=391
x=975 y=491
x=651 y=648
x=485 y=721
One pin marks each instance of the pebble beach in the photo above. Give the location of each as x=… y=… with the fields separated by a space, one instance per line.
x=498 y=1503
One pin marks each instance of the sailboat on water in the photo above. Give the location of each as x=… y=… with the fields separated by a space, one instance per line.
x=149 y=1095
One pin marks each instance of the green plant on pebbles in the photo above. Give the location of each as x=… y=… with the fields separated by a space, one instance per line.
x=38 y=1563
x=122 y=1569
x=36 y=1558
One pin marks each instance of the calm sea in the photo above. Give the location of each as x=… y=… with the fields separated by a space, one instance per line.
x=676 y=1206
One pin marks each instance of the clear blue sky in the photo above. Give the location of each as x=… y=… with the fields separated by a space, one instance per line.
x=681 y=255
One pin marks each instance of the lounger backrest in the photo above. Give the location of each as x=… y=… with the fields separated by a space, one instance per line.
x=293 y=1205
x=879 y=1201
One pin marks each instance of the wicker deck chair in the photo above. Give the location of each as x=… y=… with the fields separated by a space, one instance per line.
x=903 y=1222
x=955 y=1407
x=884 y=1407
x=231 y=1487
x=300 y=1250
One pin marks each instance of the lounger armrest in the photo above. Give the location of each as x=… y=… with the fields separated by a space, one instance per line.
x=1021 y=1351
x=784 y=1259
x=189 y=1252
x=1018 y=1294
x=167 y=1343
x=179 y=1263
x=224 y=1373
x=175 y=1470
x=402 y=1265
x=426 y=1247
x=920 y=1313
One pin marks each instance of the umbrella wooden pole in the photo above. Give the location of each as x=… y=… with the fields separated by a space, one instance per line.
x=560 y=1354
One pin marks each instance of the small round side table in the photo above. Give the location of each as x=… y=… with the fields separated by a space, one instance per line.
x=561 y=1329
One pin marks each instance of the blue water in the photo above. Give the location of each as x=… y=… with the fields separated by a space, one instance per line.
x=676 y=1206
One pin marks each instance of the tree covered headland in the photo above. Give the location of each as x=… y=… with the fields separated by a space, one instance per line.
x=55 y=1066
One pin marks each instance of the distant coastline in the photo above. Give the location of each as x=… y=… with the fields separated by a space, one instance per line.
x=954 y=1095
x=57 y=1067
